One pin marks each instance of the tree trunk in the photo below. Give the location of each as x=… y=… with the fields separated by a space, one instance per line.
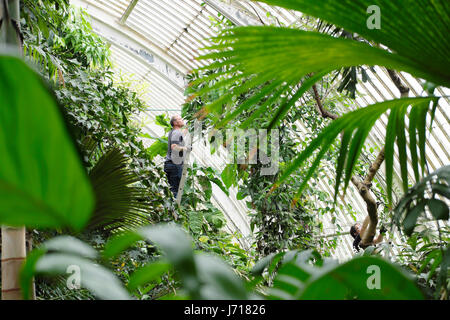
x=13 y=254
x=371 y=221
x=13 y=239
x=363 y=187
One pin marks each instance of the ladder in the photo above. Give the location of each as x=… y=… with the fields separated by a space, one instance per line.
x=183 y=178
x=187 y=138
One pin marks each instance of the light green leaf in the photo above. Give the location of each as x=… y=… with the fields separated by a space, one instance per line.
x=42 y=181
x=177 y=247
x=229 y=175
x=219 y=280
x=196 y=221
x=357 y=278
x=68 y=244
x=100 y=281
x=148 y=273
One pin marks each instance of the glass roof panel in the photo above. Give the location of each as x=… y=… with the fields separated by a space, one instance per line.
x=156 y=41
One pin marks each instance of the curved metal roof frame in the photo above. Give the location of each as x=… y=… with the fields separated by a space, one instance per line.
x=156 y=41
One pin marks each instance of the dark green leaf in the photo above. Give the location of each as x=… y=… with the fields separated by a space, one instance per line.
x=219 y=280
x=439 y=209
x=150 y=272
x=119 y=243
x=410 y=220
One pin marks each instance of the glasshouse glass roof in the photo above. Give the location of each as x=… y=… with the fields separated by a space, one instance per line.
x=155 y=42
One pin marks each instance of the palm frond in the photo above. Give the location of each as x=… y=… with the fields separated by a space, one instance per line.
x=281 y=58
x=355 y=127
x=424 y=194
x=47 y=61
x=119 y=202
x=416 y=30
x=286 y=62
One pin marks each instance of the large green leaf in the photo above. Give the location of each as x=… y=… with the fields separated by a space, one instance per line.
x=416 y=30
x=202 y=276
x=354 y=279
x=172 y=240
x=68 y=244
x=195 y=219
x=65 y=255
x=219 y=280
x=99 y=280
x=307 y=276
x=159 y=147
x=254 y=49
x=42 y=181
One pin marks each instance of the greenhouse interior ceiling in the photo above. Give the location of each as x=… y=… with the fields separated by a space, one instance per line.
x=283 y=147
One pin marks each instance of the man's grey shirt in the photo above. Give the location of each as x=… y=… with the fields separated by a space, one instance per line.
x=175 y=137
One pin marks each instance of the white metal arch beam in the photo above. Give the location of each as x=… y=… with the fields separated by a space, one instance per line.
x=116 y=32
x=238 y=17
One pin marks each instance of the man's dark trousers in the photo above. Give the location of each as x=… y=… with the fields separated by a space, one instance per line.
x=173 y=172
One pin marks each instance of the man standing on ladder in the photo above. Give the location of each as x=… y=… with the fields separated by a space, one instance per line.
x=176 y=153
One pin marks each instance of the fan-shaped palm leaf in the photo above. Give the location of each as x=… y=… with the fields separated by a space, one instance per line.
x=119 y=203
x=414 y=32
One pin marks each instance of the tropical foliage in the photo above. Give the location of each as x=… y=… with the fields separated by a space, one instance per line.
x=127 y=189
x=205 y=276
x=252 y=51
x=245 y=59
x=75 y=171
